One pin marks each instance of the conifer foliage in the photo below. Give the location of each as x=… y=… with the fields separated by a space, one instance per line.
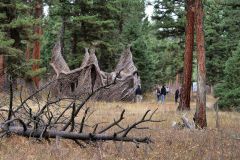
x=16 y=33
x=27 y=36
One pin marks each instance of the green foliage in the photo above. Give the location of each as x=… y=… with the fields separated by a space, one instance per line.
x=105 y=23
x=157 y=46
x=86 y=22
x=229 y=89
x=221 y=37
x=169 y=28
x=29 y=74
x=169 y=17
x=16 y=31
x=12 y=27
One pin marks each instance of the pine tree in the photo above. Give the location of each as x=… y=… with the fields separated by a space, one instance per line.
x=222 y=35
x=105 y=23
x=38 y=9
x=17 y=36
x=169 y=24
x=188 y=58
x=15 y=31
x=169 y=18
x=228 y=90
x=85 y=23
x=200 y=115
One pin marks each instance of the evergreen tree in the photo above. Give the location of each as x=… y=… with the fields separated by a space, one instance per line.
x=15 y=32
x=228 y=90
x=222 y=35
x=169 y=17
x=169 y=26
x=84 y=23
x=109 y=24
x=188 y=57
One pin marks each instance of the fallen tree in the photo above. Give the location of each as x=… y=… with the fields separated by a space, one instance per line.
x=185 y=123
x=67 y=117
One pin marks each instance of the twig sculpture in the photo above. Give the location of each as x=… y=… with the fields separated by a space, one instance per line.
x=89 y=77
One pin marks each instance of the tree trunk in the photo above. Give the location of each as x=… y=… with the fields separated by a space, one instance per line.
x=188 y=56
x=62 y=36
x=200 y=115
x=74 y=47
x=74 y=43
x=10 y=98
x=177 y=81
x=1 y=71
x=37 y=44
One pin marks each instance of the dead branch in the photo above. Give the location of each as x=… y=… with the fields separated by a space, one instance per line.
x=79 y=107
x=83 y=120
x=74 y=136
x=114 y=123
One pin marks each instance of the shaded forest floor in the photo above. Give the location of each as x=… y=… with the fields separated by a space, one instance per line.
x=169 y=143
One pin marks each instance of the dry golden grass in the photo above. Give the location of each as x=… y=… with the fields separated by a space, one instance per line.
x=169 y=143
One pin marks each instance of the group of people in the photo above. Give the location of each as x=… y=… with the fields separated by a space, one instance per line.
x=160 y=94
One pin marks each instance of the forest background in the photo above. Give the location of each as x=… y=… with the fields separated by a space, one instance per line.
x=157 y=41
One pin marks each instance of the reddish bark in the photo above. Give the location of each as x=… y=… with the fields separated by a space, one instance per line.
x=37 y=44
x=188 y=56
x=200 y=115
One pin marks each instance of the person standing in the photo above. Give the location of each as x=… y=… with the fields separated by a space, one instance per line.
x=138 y=93
x=167 y=90
x=158 y=92
x=176 y=95
x=163 y=94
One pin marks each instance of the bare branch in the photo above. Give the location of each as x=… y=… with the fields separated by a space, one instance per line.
x=83 y=119
x=114 y=123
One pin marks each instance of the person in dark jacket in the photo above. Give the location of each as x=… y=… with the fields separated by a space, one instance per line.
x=176 y=96
x=158 y=93
x=163 y=94
x=138 y=94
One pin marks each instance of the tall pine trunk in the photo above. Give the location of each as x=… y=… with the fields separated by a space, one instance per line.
x=37 y=44
x=62 y=34
x=188 y=56
x=177 y=81
x=74 y=47
x=200 y=115
x=1 y=71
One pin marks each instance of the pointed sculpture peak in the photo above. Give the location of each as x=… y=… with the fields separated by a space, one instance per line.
x=125 y=62
x=57 y=62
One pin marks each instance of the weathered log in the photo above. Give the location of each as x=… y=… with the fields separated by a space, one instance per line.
x=29 y=132
x=45 y=131
x=184 y=124
x=187 y=123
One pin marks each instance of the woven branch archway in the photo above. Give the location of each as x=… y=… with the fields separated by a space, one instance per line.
x=84 y=80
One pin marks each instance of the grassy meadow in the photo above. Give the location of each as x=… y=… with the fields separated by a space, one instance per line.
x=209 y=144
